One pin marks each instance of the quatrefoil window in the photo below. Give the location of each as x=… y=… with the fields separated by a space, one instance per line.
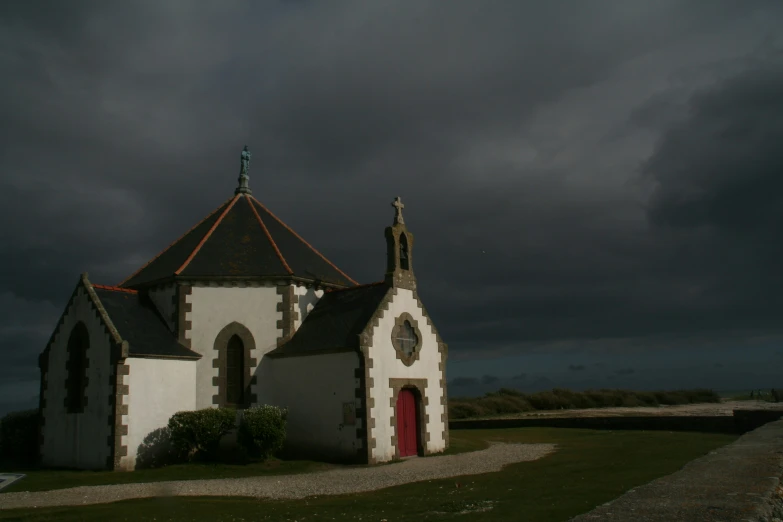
x=406 y=339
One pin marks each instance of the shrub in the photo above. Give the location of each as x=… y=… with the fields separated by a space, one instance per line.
x=262 y=430
x=197 y=434
x=19 y=437
x=464 y=410
x=158 y=450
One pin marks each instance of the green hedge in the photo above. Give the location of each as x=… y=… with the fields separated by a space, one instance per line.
x=19 y=437
x=262 y=430
x=197 y=434
x=509 y=401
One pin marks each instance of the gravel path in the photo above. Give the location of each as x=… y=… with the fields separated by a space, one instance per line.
x=332 y=482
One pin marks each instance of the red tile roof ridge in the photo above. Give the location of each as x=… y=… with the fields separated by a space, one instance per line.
x=114 y=288
x=305 y=242
x=134 y=274
x=206 y=236
x=269 y=237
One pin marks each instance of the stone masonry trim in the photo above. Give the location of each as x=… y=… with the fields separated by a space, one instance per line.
x=443 y=349
x=288 y=312
x=183 y=309
x=365 y=384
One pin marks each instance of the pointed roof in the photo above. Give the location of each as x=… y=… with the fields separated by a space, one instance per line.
x=131 y=320
x=138 y=322
x=336 y=321
x=241 y=239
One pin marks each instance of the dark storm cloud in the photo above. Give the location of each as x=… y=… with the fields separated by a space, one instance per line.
x=489 y=379
x=576 y=367
x=512 y=131
x=624 y=371
x=463 y=381
x=519 y=377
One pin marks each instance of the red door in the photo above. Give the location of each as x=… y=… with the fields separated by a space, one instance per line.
x=407 y=428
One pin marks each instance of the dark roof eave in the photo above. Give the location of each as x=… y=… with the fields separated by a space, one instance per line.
x=158 y=356
x=286 y=278
x=281 y=353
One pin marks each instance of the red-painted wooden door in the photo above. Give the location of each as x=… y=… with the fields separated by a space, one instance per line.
x=407 y=428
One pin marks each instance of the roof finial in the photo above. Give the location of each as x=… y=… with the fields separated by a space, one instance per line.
x=397 y=204
x=243 y=176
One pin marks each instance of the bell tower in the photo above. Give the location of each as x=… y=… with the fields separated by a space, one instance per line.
x=399 y=248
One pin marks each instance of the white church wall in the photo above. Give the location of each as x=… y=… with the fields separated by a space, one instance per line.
x=315 y=389
x=385 y=366
x=213 y=308
x=78 y=440
x=157 y=389
x=164 y=298
x=308 y=297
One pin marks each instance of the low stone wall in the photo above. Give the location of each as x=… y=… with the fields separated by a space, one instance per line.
x=740 y=481
x=742 y=422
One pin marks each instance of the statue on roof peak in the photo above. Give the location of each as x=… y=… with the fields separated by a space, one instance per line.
x=245 y=161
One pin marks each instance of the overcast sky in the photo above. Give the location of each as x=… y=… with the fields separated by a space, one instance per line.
x=595 y=186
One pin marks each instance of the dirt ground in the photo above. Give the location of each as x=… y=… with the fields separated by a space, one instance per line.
x=709 y=409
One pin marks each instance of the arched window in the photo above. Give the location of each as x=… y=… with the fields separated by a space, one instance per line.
x=404 y=262
x=235 y=372
x=78 y=344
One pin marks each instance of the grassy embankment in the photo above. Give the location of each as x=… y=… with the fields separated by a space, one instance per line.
x=589 y=468
x=509 y=402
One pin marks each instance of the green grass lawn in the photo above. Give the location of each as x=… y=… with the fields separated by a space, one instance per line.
x=590 y=467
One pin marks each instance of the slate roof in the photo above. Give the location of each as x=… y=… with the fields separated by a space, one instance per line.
x=241 y=238
x=336 y=320
x=138 y=322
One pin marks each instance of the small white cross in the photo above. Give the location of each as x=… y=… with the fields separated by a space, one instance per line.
x=397 y=204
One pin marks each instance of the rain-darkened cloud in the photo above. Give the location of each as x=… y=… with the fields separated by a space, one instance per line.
x=590 y=177
x=489 y=379
x=463 y=381
x=576 y=367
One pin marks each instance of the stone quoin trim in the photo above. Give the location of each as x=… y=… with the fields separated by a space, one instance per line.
x=407 y=360
x=119 y=390
x=84 y=347
x=422 y=418
x=365 y=433
x=183 y=308
x=443 y=349
x=289 y=314
x=219 y=362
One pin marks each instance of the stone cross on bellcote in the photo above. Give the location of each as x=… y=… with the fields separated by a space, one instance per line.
x=398 y=206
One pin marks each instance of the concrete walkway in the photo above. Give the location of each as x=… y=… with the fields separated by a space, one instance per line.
x=738 y=482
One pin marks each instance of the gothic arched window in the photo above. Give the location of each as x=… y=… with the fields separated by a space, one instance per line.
x=235 y=372
x=404 y=256
x=76 y=383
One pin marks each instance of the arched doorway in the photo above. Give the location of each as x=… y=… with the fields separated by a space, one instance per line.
x=407 y=423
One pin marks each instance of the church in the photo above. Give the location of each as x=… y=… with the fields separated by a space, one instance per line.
x=242 y=311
